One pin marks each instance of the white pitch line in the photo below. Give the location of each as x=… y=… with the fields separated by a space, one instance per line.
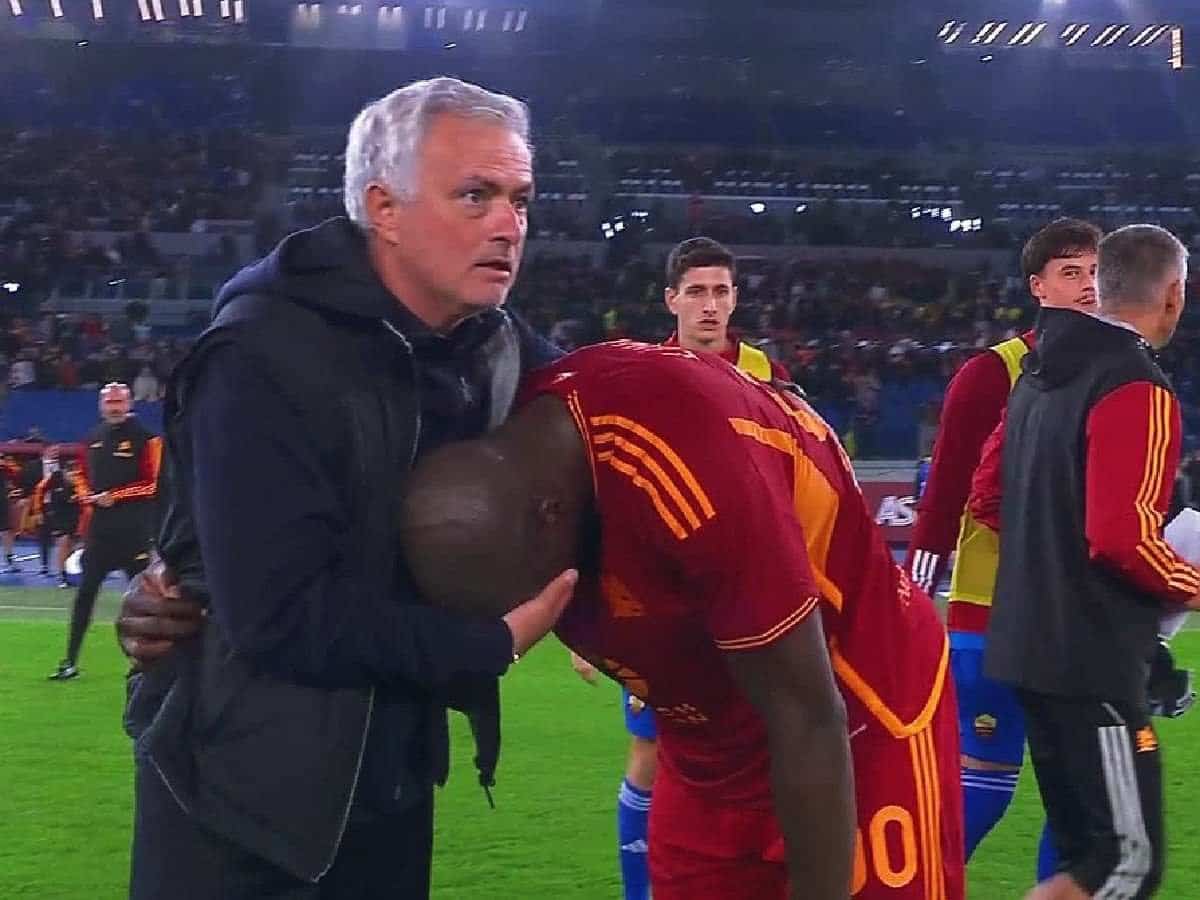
x=37 y=608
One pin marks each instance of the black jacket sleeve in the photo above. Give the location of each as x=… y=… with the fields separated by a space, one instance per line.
x=273 y=535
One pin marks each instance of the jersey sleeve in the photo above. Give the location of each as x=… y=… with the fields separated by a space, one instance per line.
x=1133 y=443
x=147 y=481
x=707 y=501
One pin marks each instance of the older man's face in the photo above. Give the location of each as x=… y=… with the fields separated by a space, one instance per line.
x=457 y=243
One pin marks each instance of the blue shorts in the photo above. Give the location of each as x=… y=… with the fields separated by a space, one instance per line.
x=638 y=722
x=991 y=725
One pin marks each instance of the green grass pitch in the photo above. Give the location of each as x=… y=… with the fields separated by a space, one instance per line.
x=65 y=781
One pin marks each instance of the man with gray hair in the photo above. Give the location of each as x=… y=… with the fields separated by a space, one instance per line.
x=288 y=702
x=1091 y=445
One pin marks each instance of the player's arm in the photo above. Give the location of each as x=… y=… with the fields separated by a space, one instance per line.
x=987 y=484
x=1133 y=441
x=974 y=401
x=790 y=682
x=750 y=564
x=148 y=464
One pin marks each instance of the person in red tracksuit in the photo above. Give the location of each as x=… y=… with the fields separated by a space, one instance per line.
x=1059 y=262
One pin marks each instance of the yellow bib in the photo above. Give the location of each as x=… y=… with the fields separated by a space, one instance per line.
x=978 y=552
x=754 y=362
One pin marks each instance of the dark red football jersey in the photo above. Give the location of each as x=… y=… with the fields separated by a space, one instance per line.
x=728 y=513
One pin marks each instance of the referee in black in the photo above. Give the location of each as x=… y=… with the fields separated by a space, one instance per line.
x=121 y=459
x=1091 y=446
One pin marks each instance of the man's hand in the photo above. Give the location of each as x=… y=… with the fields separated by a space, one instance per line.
x=533 y=619
x=154 y=616
x=584 y=669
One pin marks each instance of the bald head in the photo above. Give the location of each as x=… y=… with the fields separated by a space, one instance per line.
x=115 y=402
x=486 y=524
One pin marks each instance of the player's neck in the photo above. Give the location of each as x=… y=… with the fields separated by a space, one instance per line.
x=720 y=344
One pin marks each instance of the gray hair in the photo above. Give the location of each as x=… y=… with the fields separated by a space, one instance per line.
x=1134 y=263
x=386 y=135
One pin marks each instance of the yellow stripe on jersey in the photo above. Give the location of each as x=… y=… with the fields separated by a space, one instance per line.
x=814 y=501
x=873 y=702
x=923 y=817
x=685 y=474
x=640 y=481
x=937 y=875
x=648 y=462
x=581 y=423
x=1152 y=548
x=772 y=633
x=803 y=415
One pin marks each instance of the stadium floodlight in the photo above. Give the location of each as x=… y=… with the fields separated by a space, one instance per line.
x=955 y=226
x=480 y=19
x=1073 y=34
x=15 y=6
x=97 y=9
x=11 y=286
x=1149 y=35
x=521 y=17
x=801 y=207
x=1141 y=36
x=1020 y=34
x=56 y=8
x=1116 y=35
x=951 y=31
x=758 y=207
x=1176 y=58
x=1035 y=33
x=1104 y=35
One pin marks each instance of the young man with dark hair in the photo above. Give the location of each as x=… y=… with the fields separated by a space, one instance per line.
x=729 y=570
x=1059 y=264
x=1090 y=446
x=702 y=293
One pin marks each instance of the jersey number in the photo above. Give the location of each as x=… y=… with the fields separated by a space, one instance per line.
x=894 y=864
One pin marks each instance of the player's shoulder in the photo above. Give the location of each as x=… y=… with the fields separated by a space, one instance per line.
x=628 y=367
x=983 y=370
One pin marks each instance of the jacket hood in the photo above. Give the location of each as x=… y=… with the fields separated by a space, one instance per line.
x=1067 y=341
x=326 y=266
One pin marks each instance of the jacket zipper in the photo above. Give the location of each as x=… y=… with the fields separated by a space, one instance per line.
x=362 y=749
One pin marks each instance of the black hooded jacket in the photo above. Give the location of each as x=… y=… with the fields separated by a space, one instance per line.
x=320 y=678
x=1063 y=623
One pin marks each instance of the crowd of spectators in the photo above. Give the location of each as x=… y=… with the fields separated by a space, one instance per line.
x=79 y=212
